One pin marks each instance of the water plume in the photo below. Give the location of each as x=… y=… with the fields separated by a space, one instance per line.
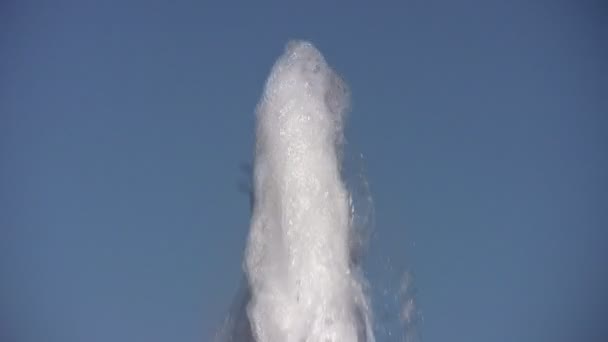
x=303 y=281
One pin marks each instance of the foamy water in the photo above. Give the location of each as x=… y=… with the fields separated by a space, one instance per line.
x=303 y=281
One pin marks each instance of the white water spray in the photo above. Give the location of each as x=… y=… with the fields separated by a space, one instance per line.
x=303 y=282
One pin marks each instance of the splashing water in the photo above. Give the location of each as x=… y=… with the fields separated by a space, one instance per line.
x=302 y=259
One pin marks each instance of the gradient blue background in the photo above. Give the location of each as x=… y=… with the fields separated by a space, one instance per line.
x=123 y=124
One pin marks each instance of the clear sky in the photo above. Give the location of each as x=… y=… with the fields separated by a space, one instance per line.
x=483 y=126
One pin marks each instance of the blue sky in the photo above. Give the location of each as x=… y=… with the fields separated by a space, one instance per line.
x=123 y=125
